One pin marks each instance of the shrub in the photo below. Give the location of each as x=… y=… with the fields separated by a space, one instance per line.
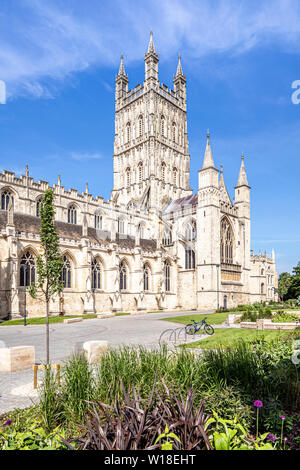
x=282 y=317
x=133 y=423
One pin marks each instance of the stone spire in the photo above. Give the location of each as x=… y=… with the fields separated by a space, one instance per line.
x=121 y=69
x=242 y=181
x=179 y=71
x=151 y=48
x=26 y=171
x=208 y=159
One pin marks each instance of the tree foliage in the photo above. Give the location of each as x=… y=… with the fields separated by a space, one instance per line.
x=289 y=284
x=49 y=264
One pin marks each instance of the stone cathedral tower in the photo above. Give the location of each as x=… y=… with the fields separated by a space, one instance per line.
x=151 y=156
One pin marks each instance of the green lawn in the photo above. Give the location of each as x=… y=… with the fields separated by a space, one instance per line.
x=227 y=336
x=42 y=320
x=211 y=318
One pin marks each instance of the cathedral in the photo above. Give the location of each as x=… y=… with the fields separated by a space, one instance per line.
x=154 y=245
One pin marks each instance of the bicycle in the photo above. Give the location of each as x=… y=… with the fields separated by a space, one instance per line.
x=195 y=327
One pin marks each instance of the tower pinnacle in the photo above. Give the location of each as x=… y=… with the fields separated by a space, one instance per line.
x=121 y=69
x=179 y=67
x=208 y=159
x=151 y=47
x=242 y=181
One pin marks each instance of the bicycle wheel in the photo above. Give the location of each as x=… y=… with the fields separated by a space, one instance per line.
x=190 y=329
x=209 y=330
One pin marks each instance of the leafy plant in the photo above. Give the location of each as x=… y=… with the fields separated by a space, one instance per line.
x=49 y=264
x=167 y=444
x=233 y=436
x=35 y=438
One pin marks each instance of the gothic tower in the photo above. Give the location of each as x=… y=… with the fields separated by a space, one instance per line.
x=151 y=156
x=208 y=233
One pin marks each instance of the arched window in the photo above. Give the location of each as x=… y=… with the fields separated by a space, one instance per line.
x=189 y=258
x=27 y=270
x=141 y=230
x=162 y=125
x=191 y=231
x=163 y=172
x=6 y=196
x=167 y=276
x=98 y=221
x=262 y=288
x=262 y=272
x=128 y=177
x=96 y=274
x=147 y=274
x=128 y=131
x=67 y=272
x=226 y=242
x=121 y=226
x=38 y=206
x=174 y=132
x=140 y=171
x=72 y=215
x=141 y=126
x=123 y=276
x=175 y=176
x=167 y=237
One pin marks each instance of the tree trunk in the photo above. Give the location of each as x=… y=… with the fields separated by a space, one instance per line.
x=47 y=332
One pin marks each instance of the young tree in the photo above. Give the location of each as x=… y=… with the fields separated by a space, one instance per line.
x=49 y=263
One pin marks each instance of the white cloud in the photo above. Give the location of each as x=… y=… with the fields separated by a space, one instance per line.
x=42 y=42
x=85 y=156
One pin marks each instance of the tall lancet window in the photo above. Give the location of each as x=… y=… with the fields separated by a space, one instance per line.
x=191 y=231
x=27 y=270
x=6 y=196
x=162 y=125
x=128 y=131
x=146 y=277
x=175 y=176
x=66 y=272
x=72 y=215
x=141 y=126
x=174 y=132
x=167 y=276
x=123 y=276
x=96 y=274
x=128 y=177
x=227 y=240
x=163 y=172
x=140 y=172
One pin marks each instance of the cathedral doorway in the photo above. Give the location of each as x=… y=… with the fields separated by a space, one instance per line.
x=225 y=302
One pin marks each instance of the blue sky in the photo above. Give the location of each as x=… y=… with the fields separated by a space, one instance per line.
x=59 y=59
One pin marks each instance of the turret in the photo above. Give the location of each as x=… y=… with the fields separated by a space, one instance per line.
x=209 y=175
x=180 y=82
x=121 y=82
x=151 y=62
x=242 y=192
x=208 y=232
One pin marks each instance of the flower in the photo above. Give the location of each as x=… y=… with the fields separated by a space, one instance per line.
x=258 y=404
x=8 y=422
x=282 y=417
x=271 y=437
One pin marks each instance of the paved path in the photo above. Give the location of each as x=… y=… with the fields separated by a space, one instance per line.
x=131 y=330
